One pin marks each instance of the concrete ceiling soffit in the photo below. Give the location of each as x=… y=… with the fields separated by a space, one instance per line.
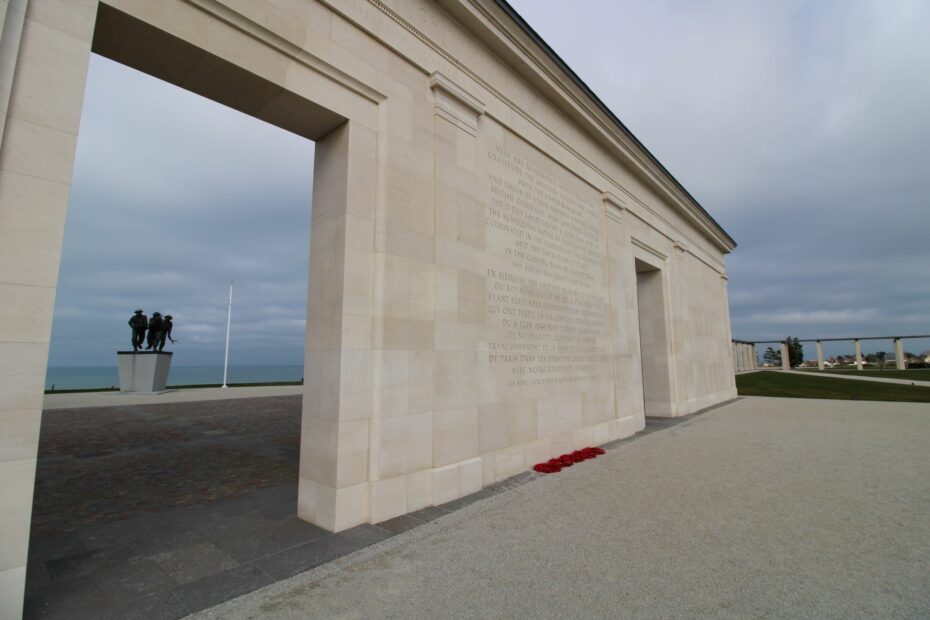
x=501 y=33
x=254 y=29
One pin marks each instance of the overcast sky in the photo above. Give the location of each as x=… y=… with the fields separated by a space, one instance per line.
x=173 y=196
x=802 y=127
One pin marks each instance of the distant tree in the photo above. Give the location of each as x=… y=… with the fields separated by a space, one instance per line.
x=881 y=356
x=839 y=360
x=795 y=352
x=772 y=356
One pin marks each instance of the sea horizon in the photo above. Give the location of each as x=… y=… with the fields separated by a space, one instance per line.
x=90 y=377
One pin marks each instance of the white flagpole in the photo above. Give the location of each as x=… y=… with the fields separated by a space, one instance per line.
x=228 y=322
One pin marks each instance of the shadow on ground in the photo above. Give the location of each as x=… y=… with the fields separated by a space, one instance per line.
x=158 y=511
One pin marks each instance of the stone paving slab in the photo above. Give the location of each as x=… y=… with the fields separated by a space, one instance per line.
x=157 y=511
x=139 y=510
x=106 y=464
x=763 y=508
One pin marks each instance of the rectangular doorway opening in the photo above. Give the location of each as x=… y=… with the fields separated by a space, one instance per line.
x=190 y=171
x=653 y=339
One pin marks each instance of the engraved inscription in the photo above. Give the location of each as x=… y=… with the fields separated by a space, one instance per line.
x=550 y=299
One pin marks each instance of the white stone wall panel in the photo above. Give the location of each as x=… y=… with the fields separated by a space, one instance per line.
x=475 y=226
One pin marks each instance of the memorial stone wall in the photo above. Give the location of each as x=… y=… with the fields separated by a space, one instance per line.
x=499 y=272
x=550 y=299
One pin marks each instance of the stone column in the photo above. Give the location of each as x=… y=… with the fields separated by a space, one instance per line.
x=677 y=310
x=334 y=438
x=755 y=356
x=858 y=346
x=785 y=361
x=44 y=54
x=899 y=361
x=629 y=403
x=819 y=355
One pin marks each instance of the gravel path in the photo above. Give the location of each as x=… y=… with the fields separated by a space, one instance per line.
x=761 y=508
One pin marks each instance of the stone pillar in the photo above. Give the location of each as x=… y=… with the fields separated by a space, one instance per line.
x=858 y=346
x=334 y=438
x=899 y=361
x=44 y=54
x=629 y=401
x=755 y=356
x=819 y=355
x=785 y=360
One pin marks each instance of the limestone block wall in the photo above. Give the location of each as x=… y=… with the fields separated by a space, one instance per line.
x=44 y=55
x=486 y=245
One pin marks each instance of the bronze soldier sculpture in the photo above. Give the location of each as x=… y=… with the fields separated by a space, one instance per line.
x=166 y=332
x=156 y=328
x=139 y=323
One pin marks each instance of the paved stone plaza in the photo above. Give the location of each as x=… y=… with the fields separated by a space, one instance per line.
x=778 y=507
x=156 y=511
x=764 y=508
x=136 y=500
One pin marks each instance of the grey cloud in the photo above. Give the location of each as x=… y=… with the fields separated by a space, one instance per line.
x=173 y=196
x=802 y=127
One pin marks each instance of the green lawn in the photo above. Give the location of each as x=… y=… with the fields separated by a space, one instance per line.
x=914 y=374
x=767 y=383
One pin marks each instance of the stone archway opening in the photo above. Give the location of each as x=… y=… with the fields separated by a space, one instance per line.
x=137 y=44
x=653 y=338
x=144 y=47
x=228 y=58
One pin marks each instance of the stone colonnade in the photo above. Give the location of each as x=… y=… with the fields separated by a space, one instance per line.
x=899 y=358
x=744 y=356
x=744 y=353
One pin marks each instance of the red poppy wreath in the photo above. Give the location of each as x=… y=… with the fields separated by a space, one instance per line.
x=555 y=465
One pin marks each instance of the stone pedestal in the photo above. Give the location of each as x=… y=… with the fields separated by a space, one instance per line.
x=143 y=372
